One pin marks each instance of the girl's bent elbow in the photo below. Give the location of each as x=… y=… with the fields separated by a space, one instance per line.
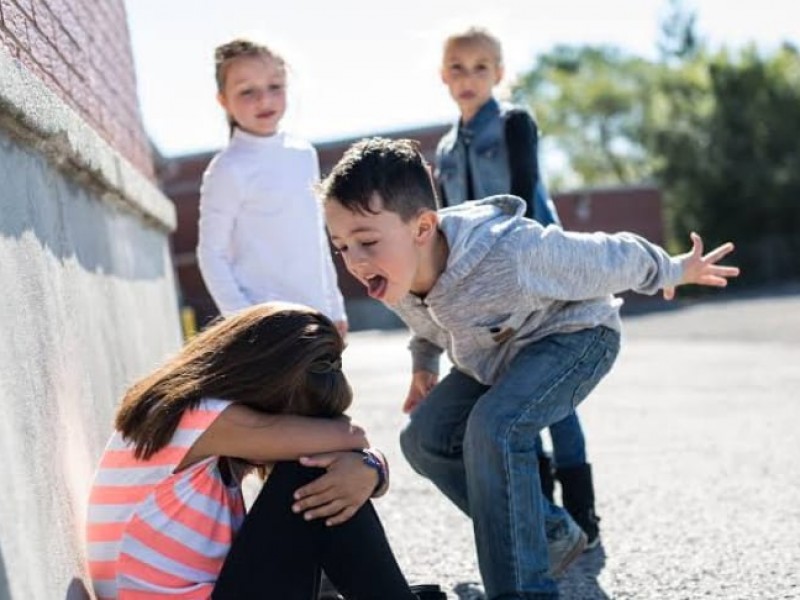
x=359 y=436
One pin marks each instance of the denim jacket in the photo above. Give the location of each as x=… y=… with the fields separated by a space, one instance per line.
x=482 y=141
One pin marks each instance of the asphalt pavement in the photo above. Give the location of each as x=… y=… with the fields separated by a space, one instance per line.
x=694 y=439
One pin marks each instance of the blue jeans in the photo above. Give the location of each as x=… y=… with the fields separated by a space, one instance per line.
x=477 y=444
x=569 y=445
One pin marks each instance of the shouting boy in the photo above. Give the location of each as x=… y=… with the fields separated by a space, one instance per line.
x=527 y=317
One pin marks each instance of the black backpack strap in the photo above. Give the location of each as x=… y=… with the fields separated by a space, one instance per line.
x=522 y=140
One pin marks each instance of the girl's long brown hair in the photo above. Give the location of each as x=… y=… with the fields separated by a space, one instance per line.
x=273 y=357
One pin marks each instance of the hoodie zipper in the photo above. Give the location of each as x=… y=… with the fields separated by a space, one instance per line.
x=429 y=309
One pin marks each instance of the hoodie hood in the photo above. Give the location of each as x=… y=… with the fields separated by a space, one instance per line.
x=471 y=230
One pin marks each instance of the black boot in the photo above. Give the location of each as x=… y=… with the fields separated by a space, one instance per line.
x=428 y=591
x=577 y=494
x=546 y=476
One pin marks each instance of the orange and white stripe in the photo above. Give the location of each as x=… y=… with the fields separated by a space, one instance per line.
x=152 y=532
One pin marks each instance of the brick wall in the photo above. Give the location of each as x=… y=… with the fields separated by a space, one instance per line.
x=631 y=208
x=81 y=50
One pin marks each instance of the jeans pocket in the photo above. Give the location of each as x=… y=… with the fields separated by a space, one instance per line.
x=595 y=364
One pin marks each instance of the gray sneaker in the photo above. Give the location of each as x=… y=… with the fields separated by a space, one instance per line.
x=563 y=550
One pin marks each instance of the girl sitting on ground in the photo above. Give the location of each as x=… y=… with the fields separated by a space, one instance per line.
x=263 y=388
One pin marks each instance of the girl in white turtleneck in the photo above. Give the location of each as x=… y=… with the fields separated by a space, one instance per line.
x=262 y=235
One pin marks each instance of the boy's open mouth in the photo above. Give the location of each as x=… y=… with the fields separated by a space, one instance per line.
x=376 y=286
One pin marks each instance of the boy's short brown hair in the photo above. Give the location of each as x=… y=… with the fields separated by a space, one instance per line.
x=394 y=170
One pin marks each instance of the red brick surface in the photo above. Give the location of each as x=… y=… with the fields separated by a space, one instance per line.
x=636 y=209
x=81 y=50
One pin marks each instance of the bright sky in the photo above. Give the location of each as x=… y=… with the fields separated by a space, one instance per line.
x=363 y=66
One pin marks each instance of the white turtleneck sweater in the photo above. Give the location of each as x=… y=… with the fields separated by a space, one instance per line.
x=262 y=234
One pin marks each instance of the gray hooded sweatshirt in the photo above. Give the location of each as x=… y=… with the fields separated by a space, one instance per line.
x=510 y=282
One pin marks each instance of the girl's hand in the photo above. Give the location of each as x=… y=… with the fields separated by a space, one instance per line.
x=337 y=495
x=422 y=382
x=342 y=328
x=704 y=270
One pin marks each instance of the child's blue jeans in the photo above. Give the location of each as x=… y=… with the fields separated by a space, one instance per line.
x=477 y=444
x=569 y=444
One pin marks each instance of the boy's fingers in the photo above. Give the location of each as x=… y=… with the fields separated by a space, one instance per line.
x=723 y=271
x=697 y=244
x=718 y=253
x=714 y=281
x=669 y=293
x=717 y=276
x=411 y=401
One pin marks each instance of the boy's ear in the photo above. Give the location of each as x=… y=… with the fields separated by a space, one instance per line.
x=426 y=226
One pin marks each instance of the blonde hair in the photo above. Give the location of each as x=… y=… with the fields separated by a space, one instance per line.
x=475 y=36
x=226 y=53
x=238 y=48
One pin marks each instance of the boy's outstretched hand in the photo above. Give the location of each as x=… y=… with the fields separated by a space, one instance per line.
x=703 y=269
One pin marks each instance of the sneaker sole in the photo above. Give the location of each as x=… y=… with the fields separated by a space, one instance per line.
x=592 y=545
x=570 y=558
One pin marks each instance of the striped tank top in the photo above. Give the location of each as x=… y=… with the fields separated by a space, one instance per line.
x=152 y=532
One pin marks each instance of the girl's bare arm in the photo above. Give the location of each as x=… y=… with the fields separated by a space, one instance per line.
x=241 y=432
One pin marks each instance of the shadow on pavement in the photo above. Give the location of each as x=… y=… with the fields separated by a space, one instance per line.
x=579 y=582
x=470 y=590
x=77 y=590
x=5 y=593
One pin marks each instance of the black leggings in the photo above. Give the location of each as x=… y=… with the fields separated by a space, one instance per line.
x=279 y=555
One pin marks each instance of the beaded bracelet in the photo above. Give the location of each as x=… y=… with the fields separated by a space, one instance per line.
x=373 y=461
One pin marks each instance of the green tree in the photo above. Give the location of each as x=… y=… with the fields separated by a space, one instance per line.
x=679 y=39
x=717 y=131
x=592 y=104
x=728 y=157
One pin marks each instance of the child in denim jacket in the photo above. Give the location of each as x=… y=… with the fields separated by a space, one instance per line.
x=493 y=149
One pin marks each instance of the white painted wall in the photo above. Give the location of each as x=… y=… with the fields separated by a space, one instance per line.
x=87 y=304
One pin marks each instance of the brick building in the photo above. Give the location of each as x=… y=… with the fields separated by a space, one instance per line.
x=636 y=209
x=81 y=50
x=89 y=298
